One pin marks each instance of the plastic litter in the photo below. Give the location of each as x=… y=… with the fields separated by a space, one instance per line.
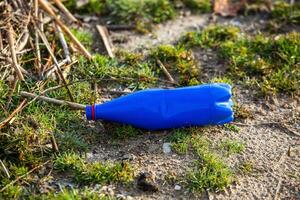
x=154 y=109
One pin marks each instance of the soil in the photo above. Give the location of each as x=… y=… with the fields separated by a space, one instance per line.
x=272 y=135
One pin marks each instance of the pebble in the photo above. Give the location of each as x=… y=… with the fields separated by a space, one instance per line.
x=177 y=187
x=167 y=148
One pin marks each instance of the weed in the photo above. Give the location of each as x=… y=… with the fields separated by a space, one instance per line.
x=210 y=172
x=284 y=12
x=178 y=59
x=156 y=11
x=92 y=6
x=199 y=6
x=89 y=173
x=231 y=127
x=221 y=80
x=246 y=167
x=86 y=38
x=122 y=132
x=232 y=146
x=210 y=37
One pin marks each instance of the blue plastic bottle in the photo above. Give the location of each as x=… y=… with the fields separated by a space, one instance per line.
x=153 y=109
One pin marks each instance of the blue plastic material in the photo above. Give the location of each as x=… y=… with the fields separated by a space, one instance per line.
x=153 y=109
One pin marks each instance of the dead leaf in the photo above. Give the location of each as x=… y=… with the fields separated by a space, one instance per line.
x=227 y=8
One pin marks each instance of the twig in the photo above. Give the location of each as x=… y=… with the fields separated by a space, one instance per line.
x=4 y=169
x=13 y=51
x=18 y=109
x=1 y=42
x=43 y=37
x=105 y=38
x=65 y=10
x=166 y=72
x=37 y=45
x=53 y=68
x=120 y=27
x=63 y=44
x=54 y=101
x=49 y=10
x=24 y=175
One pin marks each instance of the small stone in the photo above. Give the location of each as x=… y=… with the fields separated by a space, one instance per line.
x=204 y=58
x=129 y=157
x=121 y=197
x=129 y=198
x=167 y=148
x=177 y=187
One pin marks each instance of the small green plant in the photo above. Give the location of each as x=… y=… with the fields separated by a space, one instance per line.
x=231 y=127
x=86 y=38
x=201 y=6
x=156 y=11
x=221 y=80
x=122 y=132
x=89 y=173
x=286 y=13
x=91 y=7
x=232 y=146
x=246 y=167
x=178 y=59
x=210 y=171
x=210 y=37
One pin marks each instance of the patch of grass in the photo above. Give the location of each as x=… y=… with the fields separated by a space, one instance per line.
x=246 y=167
x=90 y=173
x=223 y=79
x=231 y=127
x=273 y=62
x=210 y=171
x=210 y=37
x=91 y=7
x=128 y=11
x=286 y=13
x=232 y=146
x=122 y=132
x=199 y=6
x=241 y=112
x=179 y=60
x=75 y=194
x=86 y=38
x=135 y=76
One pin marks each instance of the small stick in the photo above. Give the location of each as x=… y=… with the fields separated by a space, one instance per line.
x=54 y=143
x=43 y=37
x=11 y=42
x=18 y=109
x=53 y=68
x=37 y=45
x=1 y=42
x=120 y=27
x=24 y=175
x=166 y=72
x=64 y=44
x=103 y=33
x=23 y=41
x=49 y=10
x=4 y=169
x=54 y=101
x=65 y=11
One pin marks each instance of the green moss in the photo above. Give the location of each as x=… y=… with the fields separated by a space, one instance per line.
x=89 y=173
x=210 y=172
x=128 y=11
x=86 y=38
x=178 y=60
x=232 y=146
x=122 y=132
x=246 y=167
x=224 y=79
x=210 y=37
x=92 y=7
x=201 y=6
x=284 y=12
x=274 y=63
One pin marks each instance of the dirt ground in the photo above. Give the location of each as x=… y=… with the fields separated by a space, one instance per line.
x=271 y=135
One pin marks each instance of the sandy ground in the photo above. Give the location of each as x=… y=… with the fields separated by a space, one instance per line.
x=272 y=135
